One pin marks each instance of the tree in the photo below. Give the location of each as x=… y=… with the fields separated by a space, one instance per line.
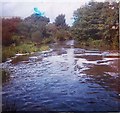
x=36 y=36
x=25 y=30
x=97 y=20
x=37 y=20
x=9 y=28
x=51 y=29
x=32 y=25
x=60 y=21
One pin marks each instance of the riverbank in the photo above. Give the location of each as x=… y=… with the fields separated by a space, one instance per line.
x=96 y=44
x=24 y=48
x=30 y=47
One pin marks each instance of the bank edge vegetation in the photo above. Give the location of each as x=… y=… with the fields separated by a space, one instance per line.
x=95 y=25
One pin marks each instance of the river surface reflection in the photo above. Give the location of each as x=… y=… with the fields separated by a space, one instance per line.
x=64 y=79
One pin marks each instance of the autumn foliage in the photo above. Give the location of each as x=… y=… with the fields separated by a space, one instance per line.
x=9 y=28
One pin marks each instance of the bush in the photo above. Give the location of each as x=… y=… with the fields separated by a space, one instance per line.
x=47 y=40
x=7 y=52
x=25 y=48
x=36 y=36
x=16 y=39
x=100 y=44
x=43 y=48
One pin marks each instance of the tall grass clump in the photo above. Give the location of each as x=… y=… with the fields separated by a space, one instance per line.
x=10 y=51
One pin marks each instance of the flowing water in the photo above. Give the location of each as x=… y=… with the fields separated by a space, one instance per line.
x=62 y=79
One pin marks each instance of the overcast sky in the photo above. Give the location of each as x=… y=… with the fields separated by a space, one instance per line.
x=52 y=8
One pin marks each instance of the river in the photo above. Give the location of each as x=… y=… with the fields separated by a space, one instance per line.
x=62 y=79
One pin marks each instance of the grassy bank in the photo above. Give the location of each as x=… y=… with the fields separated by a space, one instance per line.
x=95 y=44
x=10 y=51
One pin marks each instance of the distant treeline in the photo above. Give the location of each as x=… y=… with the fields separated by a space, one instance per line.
x=33 y=28
x=96 y=21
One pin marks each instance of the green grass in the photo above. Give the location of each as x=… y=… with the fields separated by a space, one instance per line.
x=47 y=40
x=43 y=48
x=97 y=44
x=10 y=51
x=7 y=52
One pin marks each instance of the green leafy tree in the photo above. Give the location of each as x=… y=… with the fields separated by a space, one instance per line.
x=36 y=36
x=60 y=21
x=32 y=25
x=97 y=20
